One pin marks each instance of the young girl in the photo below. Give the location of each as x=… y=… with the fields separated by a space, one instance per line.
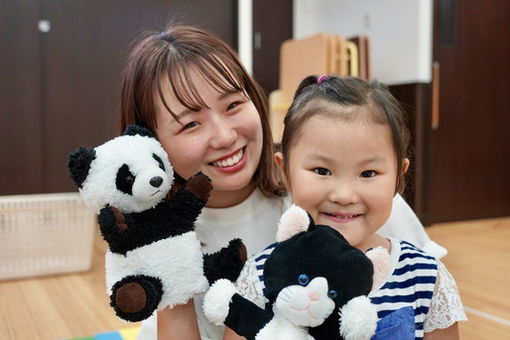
x=190 y=89
x=343 y=160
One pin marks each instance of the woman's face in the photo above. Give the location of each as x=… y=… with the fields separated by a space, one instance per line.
x=223 y=141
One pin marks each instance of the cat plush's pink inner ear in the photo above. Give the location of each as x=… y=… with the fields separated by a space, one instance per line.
x=293 y=221
x=381 y=261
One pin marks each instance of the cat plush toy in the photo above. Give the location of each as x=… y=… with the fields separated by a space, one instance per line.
x=146 y=215
x=316 y=285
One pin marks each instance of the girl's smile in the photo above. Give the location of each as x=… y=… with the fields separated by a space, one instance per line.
x=339 y=217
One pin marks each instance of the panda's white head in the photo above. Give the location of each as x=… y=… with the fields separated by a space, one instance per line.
x=131 y=172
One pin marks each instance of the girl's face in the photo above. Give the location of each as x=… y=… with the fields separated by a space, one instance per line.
x=223 y=141
x=343 y=172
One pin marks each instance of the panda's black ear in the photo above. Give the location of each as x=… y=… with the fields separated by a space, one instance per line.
x=79 y=164
x=133 y=130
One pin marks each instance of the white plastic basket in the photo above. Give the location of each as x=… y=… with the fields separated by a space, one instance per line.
x=45 y=234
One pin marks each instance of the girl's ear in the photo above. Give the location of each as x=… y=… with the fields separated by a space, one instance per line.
x=280 y=163
x=405 y=165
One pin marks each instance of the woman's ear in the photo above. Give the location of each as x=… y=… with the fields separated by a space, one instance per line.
x=280 y=164
x=405 y=165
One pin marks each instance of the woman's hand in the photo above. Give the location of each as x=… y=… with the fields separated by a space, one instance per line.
x=231 y=335
x=179 y=322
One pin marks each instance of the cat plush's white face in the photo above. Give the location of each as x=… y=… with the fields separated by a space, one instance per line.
x=305 y=304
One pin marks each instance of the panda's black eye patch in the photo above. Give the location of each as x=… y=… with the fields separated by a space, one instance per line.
x=161 y=165
x=125 y=180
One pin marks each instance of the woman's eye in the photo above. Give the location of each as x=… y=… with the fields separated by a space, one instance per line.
x=233 y=105
x=190 y=125
x=322 y=171
x=368 y=173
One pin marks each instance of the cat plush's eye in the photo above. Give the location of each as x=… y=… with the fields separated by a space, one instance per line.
x=303 y=279
x=332 y=294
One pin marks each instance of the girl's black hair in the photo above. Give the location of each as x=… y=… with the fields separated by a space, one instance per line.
x=347 y=91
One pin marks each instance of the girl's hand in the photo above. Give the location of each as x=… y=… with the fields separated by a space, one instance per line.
x=450 y=333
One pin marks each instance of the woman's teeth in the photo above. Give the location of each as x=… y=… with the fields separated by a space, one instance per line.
x=229 y=161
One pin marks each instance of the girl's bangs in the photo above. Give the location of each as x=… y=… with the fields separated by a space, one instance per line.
x=212 y=70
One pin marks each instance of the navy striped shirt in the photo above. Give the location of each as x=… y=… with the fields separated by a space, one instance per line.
x=411 y=283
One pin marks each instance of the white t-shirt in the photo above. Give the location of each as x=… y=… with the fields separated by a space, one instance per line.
x=255 y=220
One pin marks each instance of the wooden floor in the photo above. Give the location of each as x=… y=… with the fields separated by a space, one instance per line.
x=59 y=306
x=479 y=260
x=76 y=305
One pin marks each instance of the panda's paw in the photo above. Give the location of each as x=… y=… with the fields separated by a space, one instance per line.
x=112 y=223
x=217 y=301
x=199 y=185
x=135 y=298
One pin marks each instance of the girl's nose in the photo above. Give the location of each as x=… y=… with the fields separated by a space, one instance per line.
x=343 y=194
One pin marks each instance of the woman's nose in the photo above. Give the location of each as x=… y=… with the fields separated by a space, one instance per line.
x=223 y=134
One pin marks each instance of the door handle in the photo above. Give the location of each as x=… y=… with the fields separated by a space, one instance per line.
x=435 y=95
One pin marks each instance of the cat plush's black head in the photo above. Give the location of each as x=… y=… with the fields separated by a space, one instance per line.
x=320 y=251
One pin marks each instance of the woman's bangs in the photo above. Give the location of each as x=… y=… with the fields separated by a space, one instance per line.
x=223 y=78
x=214 y=72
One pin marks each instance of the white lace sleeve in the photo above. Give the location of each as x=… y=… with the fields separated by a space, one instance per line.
x=446 y=307
x=249 y=285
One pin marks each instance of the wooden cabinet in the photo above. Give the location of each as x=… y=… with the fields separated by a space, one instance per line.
x=60 y=77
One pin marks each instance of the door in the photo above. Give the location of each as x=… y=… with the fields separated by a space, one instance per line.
x=21 y=156
x=469 y=159
x=272 y=25
x=60 y=85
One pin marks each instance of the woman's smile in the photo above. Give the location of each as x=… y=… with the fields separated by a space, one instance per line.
x=231 y=162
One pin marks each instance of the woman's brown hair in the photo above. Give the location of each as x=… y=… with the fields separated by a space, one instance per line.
x=174 y=53
x=348 y=91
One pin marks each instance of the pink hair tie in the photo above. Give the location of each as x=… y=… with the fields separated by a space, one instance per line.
x=320 y=79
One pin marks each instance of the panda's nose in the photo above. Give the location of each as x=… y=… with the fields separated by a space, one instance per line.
x=156 y=181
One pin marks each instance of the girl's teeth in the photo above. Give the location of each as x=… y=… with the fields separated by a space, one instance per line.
x=229 y=161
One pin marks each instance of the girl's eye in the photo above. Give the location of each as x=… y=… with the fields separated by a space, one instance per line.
x=322 y=171
x=303 y=279
x=190 y=125
x=368 y=173
x=332 y=294
x=233 y=105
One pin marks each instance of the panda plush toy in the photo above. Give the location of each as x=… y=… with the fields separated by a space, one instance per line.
x=316 y=285
x=146 y=214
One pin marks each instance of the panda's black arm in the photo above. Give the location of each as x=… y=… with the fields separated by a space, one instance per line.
x=226 y=263
x=246 y=318
x=184 y=208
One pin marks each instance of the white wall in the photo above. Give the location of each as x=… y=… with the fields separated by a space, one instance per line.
x=400 y=32
x=245 y=33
